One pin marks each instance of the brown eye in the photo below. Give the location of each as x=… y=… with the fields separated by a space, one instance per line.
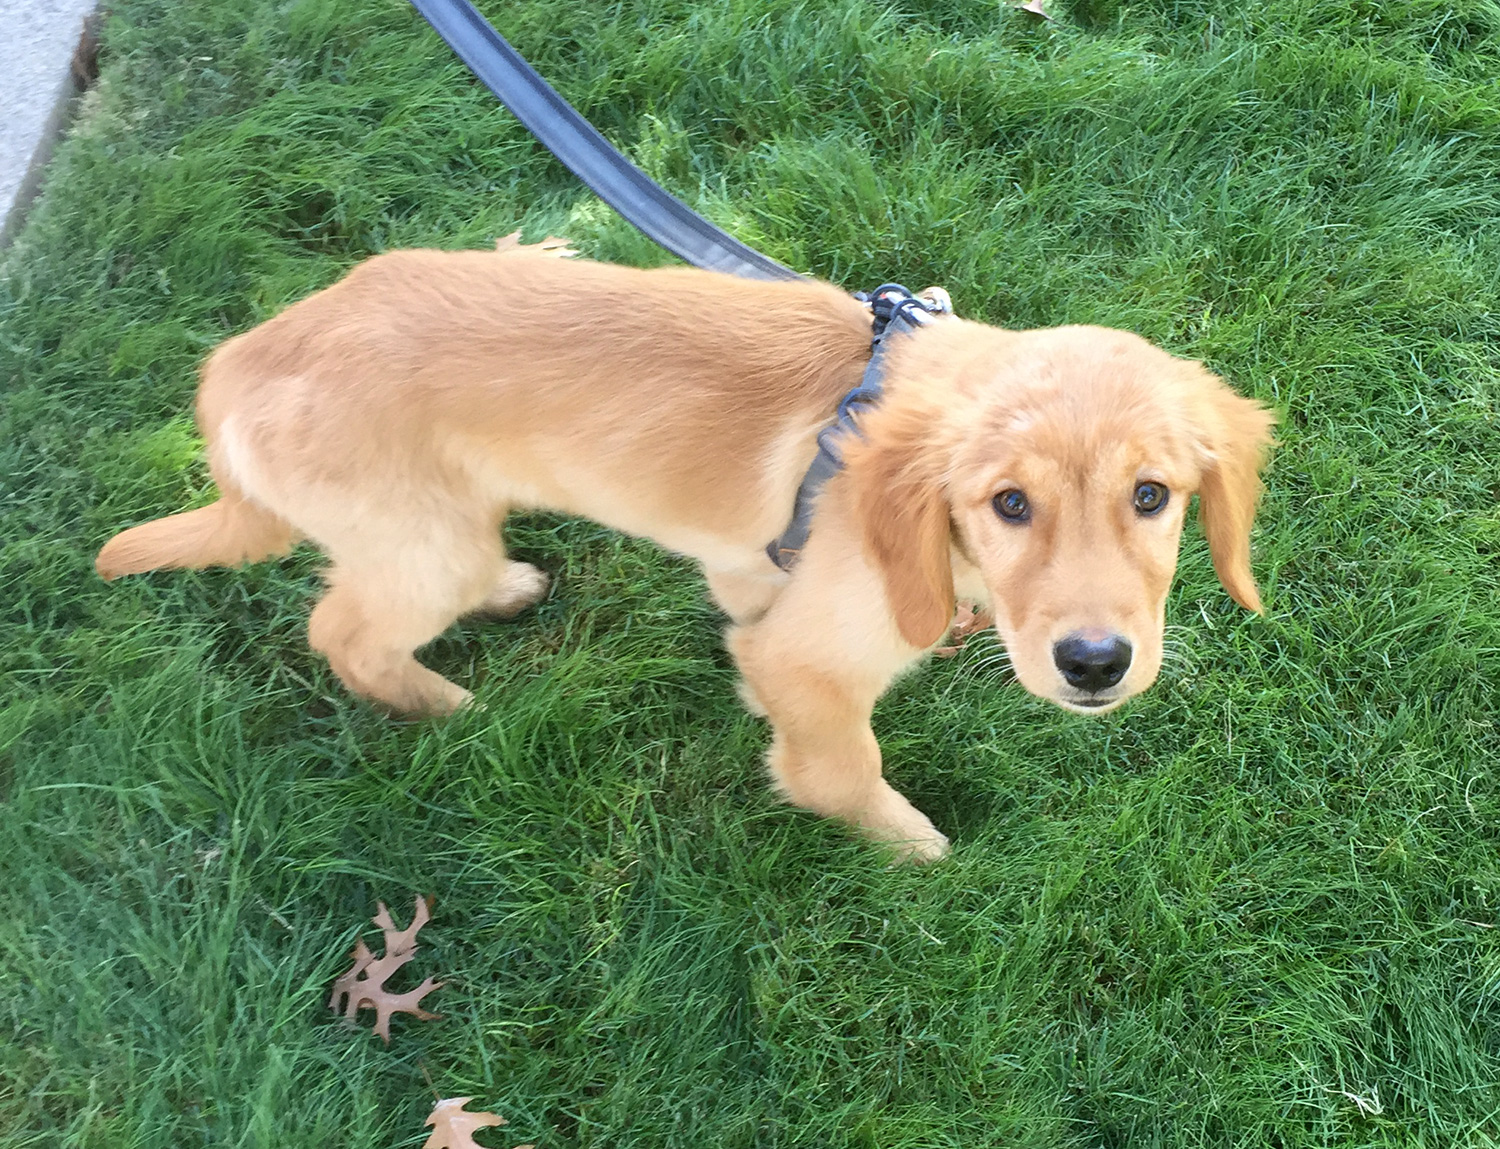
x=1150 y=498
x=1012 y=506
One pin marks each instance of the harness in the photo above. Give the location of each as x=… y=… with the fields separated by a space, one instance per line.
x=895 y=311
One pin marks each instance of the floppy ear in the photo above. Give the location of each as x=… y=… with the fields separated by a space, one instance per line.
x=904 y=516
x=1236 y=438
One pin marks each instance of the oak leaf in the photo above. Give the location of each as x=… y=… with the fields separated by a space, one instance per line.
x=555 y=246
x=402 y=941
x=967 y=619
x=453 y=1127
x=363 y=985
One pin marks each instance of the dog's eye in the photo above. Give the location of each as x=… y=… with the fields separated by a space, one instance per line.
x=1150 y=498
x=1012 y=506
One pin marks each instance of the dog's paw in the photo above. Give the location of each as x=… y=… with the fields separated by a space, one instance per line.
x=919 y=851
x=905 y=830
x=520 y=585
x=439 y=700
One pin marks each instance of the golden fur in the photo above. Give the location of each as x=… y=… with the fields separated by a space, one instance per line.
x=397 y=417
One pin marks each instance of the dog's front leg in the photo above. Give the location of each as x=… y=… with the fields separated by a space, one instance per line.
x=819 y=697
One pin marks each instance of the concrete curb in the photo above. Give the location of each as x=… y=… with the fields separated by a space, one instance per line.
x=44 y=56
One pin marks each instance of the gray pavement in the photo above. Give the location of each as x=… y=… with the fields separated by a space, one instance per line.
x=37 y=39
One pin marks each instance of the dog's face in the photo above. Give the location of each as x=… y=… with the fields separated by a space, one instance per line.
x=1061 y=463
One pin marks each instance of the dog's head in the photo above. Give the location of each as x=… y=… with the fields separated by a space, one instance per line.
x=1060 y=462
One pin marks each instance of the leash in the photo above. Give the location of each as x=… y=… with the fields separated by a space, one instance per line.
x=664 y=218
x=587 y=154
x=896 y=312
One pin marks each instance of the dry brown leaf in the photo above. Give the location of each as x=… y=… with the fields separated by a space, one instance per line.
x=453 y=1128
x=967 y=619
x=1036 y=7
x=970 y=619
x=402 y=941
x=363 y=985
x=553 y=245
x=346 y=985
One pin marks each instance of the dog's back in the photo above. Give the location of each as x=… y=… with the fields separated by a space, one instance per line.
x=565 y=375
x=543 y=380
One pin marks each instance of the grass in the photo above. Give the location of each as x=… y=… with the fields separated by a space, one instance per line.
x=1258 y=908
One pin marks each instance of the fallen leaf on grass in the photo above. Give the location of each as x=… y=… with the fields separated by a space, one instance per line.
x=402 y=941
x=453 y=1128
x=1037 y=7
x=363 y=986
x=967 y=619
x=553 y=245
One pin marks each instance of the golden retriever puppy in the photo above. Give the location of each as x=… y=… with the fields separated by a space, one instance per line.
x=396 y=417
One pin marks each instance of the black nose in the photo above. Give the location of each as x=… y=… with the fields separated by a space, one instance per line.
x=1092 y=664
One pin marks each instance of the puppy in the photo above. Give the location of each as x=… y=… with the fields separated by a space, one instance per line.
x=396 y=417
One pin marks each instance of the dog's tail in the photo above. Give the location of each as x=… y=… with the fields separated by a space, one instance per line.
x=229 y=532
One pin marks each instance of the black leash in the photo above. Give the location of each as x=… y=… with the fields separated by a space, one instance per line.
x=587 y=154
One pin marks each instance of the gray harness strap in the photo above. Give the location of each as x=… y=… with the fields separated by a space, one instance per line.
x=896 y=311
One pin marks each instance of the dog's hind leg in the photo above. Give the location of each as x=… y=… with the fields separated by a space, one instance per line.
x=382 y=605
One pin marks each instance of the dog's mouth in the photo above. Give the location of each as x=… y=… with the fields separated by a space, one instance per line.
x=1088 y=705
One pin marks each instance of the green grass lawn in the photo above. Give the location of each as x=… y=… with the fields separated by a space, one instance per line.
x=1257 y=908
